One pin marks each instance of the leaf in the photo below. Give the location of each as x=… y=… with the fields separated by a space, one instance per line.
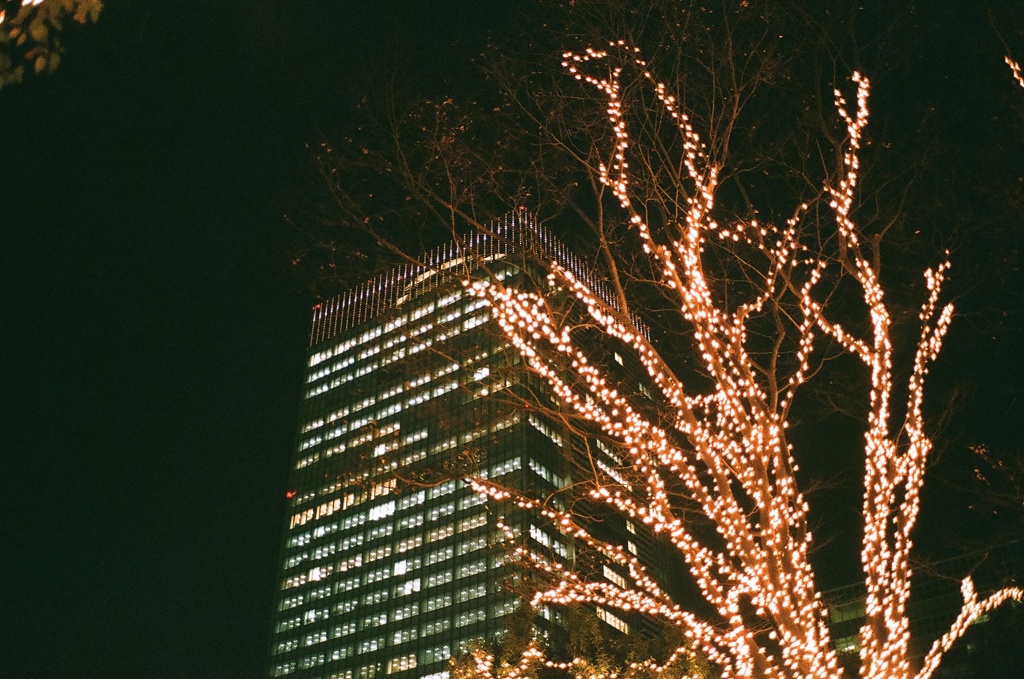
x=40 y=63
x=39 y=31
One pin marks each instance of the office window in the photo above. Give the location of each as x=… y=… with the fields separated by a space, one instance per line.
x=442 y=511
x=378 y=532
x=314 y=638
x=613 y=620
x=440 y=555
x=472 y=545
x=376 y=575
x=377 y=597
x=413 y=499
x=404 y=635
x=289 y=624
x=441 y=533
x=409 y=543
x=344 y=629
x=375 y=620
x=407 y=611
x=402 y=663
x=370 y=645
x=472 y=592
x=408 y=587
x=471 y=617
x=286 y=645
x=471 y=522
x=439 y=601
x=614 y=577
x=470 y=569
x=441 y=578
x=437 y=627
x=436 y=654
x=412 y=521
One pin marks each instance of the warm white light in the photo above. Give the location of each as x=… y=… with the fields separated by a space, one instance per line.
x=1015 y=67
x=726 y=447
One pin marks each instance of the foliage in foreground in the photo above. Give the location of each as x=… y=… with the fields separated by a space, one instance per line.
x=30 y=34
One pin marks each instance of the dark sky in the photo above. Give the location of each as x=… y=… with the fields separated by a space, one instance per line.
x=152 y=334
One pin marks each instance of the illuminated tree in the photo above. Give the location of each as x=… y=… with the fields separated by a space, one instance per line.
x=677 y=203
x=713 y=450
x=1015 y=67
x=30 y=34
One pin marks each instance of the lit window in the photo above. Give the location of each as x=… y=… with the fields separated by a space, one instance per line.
x=351 y=562
x=376 y=575
x=289 y=624
x=441 y=578
x=437 y=627
x=441 y=490
x=613 y=620
x=408 y=587
x=472 y=592
x=471 y=617
x=444 y=510
x=413 y=499
x=505 y=608
x=382 y=511
x=314 y=638
x=472 y=545
x=402 y=663
x=412 y=521
x=470 y=569
x=380 y=531
x=614 y=577
x=440 y=601
x=407 y=611
x=375 y=620
x=437 y=654
x=377 y=597
x=409 y=543
x=402 y=636
x=847 y=645
x=345 y=629
x=440 y=555
x=287 y=645
x=370 y=645
x=441 y=533
x=471 y=522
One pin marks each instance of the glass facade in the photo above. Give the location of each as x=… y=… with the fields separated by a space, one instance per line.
x=391 y=563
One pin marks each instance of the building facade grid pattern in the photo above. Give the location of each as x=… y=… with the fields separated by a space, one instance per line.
x=379 y=582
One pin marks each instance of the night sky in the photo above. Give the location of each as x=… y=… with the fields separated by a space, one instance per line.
x=153 y=334
x=152 y=331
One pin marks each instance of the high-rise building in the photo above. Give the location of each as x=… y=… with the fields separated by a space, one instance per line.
x=391 y=563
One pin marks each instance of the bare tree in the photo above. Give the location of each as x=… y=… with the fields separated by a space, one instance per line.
x=746 y=308
x=723 y=450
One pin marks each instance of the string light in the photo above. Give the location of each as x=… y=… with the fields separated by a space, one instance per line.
x=727 y=447
x=1015 y=67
